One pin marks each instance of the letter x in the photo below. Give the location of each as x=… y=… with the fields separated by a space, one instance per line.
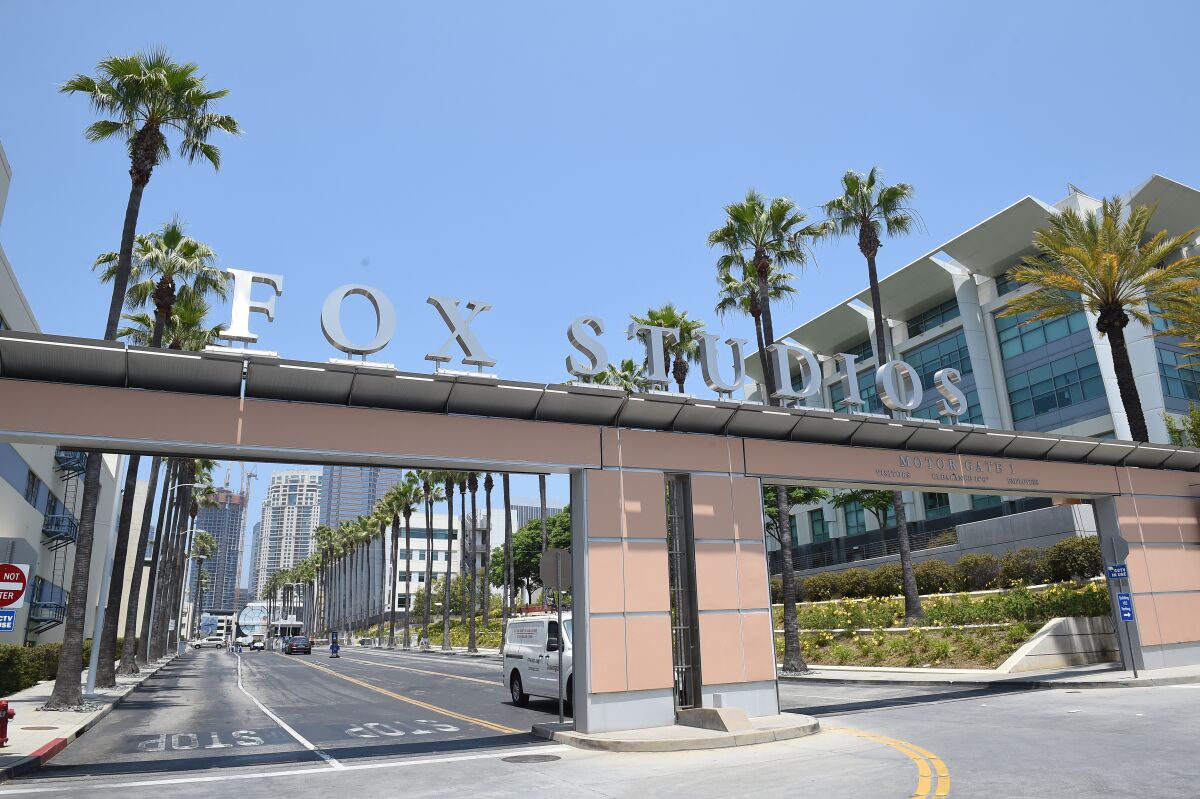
x=460 y=331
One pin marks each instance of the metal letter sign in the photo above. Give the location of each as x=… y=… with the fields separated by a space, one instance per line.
x=14 y=577
x=1117 y=572
x=460 y=331
x=331 y=319
x=1125 y=605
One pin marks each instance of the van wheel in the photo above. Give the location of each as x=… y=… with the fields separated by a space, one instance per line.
x=519 y=697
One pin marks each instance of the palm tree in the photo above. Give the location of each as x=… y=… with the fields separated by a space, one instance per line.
x=431 y=493
x=763 y=234
x=472 y=575
x=629 y=376
x=738 y=291
x=324 y=537
x=1106 y=264
x=866 y=209
x=683 y=350
x=143 y=96
x=204 y=546
x=506 y=597
x=450 y=478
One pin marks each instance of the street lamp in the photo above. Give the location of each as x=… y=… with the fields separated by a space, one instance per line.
x=195 y=620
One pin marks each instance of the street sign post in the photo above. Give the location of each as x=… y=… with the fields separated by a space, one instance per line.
x=333 y=644
x=555 y=571
x=1125 y=607
x=1116 y=571
x=14 y=578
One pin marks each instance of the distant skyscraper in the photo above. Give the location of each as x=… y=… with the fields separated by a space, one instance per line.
x=348 y=492
x=524 y=514
x=289 y=515
x=226 y=522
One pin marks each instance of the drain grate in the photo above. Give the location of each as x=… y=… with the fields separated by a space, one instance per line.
x=39 y=728
x=531 y=759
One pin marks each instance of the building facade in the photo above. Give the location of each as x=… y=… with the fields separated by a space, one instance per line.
x=40 y=493
x=226 y=522
x=942 y=310
x=348 y=492
x=290 y=513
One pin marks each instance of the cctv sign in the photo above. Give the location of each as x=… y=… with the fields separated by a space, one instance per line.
x=13 y=580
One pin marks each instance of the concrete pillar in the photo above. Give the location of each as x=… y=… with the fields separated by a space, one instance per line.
x=966 y=293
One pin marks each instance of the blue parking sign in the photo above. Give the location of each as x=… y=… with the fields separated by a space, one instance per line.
x=8 y=621
x=1125 y=605
x=1117 y=572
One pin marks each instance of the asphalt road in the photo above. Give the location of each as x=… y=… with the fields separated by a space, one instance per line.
x=385 y=724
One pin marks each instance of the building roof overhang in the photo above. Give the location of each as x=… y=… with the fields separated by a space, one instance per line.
x=29 y=356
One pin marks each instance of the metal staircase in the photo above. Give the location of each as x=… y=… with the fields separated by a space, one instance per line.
x=48 y=598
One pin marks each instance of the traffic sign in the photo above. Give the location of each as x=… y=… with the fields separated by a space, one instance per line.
x=555 y=569
x=1117 y=572
x=14 y=578
x=1125 y=605
x=8 y=621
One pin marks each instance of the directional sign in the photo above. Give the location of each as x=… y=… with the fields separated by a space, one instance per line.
x=13 y=580
x=8 y=621
x=555 y=570
x=1117 y=572
x=1125 y=605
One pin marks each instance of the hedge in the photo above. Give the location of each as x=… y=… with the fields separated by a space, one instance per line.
x=24 y=666
x=1074 y=558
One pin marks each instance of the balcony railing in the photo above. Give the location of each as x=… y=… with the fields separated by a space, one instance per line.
x=60 y=527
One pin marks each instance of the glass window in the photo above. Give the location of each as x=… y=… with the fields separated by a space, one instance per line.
x=792 y=529
x=1059 y=384
x=816 y=523
x=856 y=520
x=1017 y=335
x=935 y=316
x=981 y=501
x=866 y=391
x=1179 y=374
x=950 y=351
x=1006 y=283
x=862 y=351
x=973 y=414
x=936 y=505
x=33 y=487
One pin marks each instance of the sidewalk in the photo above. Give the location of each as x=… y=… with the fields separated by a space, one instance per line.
x=35 y=735
x=1104 y=675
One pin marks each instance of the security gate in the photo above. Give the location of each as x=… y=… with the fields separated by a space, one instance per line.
x=681 y=563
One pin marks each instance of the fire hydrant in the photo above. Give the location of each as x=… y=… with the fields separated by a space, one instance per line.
x=5 y=715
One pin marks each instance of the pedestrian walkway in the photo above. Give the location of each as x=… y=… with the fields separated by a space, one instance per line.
x=36 y=735
x=1103 y=675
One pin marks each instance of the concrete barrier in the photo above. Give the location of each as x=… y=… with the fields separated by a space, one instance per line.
x=1074 y=641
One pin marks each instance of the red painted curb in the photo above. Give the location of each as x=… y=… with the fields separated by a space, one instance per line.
x=44 y=753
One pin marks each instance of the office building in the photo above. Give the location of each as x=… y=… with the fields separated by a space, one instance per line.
x=290 y=513
x=40 y=493
x=942 y=310
x=225 y=521
x=348 y=492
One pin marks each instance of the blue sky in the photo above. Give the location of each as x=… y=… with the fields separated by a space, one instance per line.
x=561 y=158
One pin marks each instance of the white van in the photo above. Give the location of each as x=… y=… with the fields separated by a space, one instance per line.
x=531 y=659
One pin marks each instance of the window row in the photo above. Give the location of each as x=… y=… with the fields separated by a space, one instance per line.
x=935 y=316
x=1180 y=378
x=1059 y=384
x=1018 y=335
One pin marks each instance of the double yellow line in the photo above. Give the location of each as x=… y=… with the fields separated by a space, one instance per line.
x=425 y=705
x=933 y=778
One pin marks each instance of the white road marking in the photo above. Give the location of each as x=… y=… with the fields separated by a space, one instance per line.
x=307 y=744
x=255 y=774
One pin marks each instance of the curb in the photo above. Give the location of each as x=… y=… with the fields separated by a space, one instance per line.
x=40 y=756
x=1141 y=682
x=548 y=732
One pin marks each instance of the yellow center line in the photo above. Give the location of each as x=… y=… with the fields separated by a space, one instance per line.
x=460 y=716
x=928 y=764
x=492 y=683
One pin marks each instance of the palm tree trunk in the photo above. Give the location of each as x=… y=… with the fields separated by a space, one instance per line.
x=506 y=595
x=1126 y=384
x=155 y=559
x=793 y=656
x=428 y=571
x=129 y=649
x=383 y=573
x=395 y=568
x=168 y=534
x=912 y=597
x=449 y=572
x=762 y=352
x=462 y=546
x=761 y=267
x=470 y=531
x=106 y=674
x=486 y=584
x=542 y=510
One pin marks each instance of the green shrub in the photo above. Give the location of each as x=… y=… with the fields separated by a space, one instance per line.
x=1074 y=558
x=935 y=577
x=887 y=580
x=854 y=583
x=820 y=587
x=776 y=590
x=1022 y=567
x=978 y=572
x=944 y=538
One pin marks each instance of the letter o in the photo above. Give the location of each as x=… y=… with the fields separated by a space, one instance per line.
x=331 y=319
x=895 y=379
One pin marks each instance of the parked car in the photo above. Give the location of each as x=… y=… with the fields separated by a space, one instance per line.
x=297 y=644
x=531 y=659
x=209 y=641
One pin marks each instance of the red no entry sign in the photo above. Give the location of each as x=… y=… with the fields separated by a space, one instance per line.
x=13 y=579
